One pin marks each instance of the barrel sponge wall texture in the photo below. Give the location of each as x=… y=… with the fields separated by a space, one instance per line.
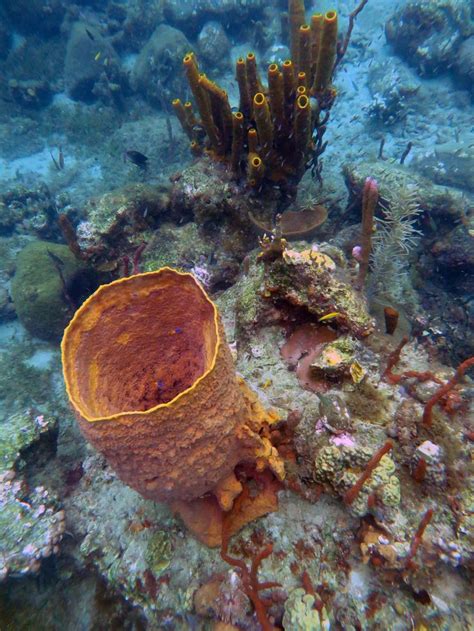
x=151 y=379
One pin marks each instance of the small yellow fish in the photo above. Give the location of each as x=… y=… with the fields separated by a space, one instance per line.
x=266 y=384
x=329 y=316
x=97 y=57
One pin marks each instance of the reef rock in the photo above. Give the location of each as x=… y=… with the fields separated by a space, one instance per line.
x=31 y=522
x=213 y=38
x=307 y=280
x=157 y=73
x=464 y=65
x=5 y=41
x=35 y=16
x=30 y=93
x=391 y=85
x=191 y=15
x=89 y=57
x=450 y=163
x=115 y=219
x=429 y=33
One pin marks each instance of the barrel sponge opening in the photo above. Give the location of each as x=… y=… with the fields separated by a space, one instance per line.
x=139 y=343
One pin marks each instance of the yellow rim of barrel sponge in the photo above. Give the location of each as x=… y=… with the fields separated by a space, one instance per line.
x=84 y=306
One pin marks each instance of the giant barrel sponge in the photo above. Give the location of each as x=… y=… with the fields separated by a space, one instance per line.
x=151 y=378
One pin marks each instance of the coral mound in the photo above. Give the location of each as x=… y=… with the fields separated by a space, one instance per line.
x=151 y=378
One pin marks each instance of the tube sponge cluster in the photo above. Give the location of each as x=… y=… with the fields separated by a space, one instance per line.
x=270 y=139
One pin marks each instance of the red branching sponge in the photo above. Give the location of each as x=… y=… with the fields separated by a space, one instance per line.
x=370 y=196
x=441 y=392
x=417 y=539
x=354 y=491
x=250 y=582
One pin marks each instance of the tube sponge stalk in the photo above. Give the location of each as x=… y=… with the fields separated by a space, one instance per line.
x=327 y=53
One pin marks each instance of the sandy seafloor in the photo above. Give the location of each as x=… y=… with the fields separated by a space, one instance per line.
x=91 y=582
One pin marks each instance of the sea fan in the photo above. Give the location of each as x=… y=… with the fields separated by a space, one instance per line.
x=395 y=238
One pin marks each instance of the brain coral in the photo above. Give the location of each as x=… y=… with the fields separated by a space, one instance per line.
x=151 y=378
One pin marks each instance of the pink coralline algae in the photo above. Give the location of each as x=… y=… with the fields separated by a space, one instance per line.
x=342 y=440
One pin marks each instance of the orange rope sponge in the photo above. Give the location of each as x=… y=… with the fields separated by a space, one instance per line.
x=150 y=376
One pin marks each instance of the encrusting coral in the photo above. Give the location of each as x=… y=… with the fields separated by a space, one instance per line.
x=270 y=140
x=151 y=379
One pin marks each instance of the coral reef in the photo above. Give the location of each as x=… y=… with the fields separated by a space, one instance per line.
x=156 y=70
x=291 y=421
x=306 y=279
x=90 y=60
x=429 y=33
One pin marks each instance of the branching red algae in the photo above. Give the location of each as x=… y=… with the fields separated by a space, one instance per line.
x=354 y=491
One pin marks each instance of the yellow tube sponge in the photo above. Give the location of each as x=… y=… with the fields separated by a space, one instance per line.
x=237 y=141
x=297 y=18
x=317 y=21
x=304 y=54
x=202 y=99
x=255 y=170
x=245 y=105
x=263 y=121
x=302 y=130
x=327 y=53
x=180 y=112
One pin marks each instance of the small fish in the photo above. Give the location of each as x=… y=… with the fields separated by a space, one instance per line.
x=61 y=158
x=160 y=384
x=329 y=316
x=198 y=132
x=139 y=159
x=97 y=57
x=178 y=329
x=91 y=37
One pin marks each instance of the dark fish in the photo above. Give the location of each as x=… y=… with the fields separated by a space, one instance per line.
x=90 y=35
x=139 y=159
x=198 y=132
x=160 y=384
x=178 y=329
x=61 y=158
